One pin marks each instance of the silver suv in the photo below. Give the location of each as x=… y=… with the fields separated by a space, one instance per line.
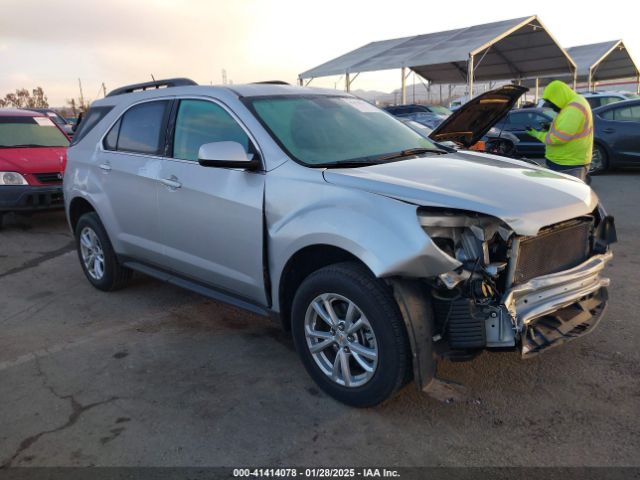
x=380 y=249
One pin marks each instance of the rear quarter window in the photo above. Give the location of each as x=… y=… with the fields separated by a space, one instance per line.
x=90 y=120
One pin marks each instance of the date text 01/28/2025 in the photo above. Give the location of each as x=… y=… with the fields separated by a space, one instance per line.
x=315 y=472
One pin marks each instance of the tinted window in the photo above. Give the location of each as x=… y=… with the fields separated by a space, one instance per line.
x=594 y=101
x=201 y=122
x=141 y=128
x=522 y=120
x=519 y=120
x=626 y=114
x=608 y=100
x=90 y=120
x=608 y=114
x=111 y=140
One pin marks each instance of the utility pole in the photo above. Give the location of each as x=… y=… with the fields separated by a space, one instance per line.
x=81 y=95
x=104 y=90
x=224 y=76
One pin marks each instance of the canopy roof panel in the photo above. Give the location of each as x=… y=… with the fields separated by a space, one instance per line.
x=517 y=48
x=606 y=60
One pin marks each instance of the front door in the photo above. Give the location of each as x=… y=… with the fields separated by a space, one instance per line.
x=211 y=218
x=621 y=130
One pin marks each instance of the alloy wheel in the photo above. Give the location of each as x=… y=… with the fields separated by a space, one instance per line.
x=341 y=340
x=92 y=253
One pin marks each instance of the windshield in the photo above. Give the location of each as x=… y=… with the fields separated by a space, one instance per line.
x=16 y=132
x=319 y=129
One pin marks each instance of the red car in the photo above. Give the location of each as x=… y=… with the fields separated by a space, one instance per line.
x=33 y=155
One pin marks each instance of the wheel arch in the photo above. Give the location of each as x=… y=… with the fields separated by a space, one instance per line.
x=78 y=206
x=303 y=263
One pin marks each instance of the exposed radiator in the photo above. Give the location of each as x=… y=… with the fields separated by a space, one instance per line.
x=556 y=248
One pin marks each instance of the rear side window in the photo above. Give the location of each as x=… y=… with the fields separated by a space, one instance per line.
x=90 y=120
x=199 y=122
x=608 y=100
x=140 y=129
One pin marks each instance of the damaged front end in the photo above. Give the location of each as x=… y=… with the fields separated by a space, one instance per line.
x=513 y=291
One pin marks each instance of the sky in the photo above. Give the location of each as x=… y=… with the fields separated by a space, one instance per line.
x=116 y=42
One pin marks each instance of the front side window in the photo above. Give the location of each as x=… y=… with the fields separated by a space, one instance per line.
x=625 y=114
x=200 y=122
x=320 y=129
x=519 y=121
x=140 y=129
x=30 y=132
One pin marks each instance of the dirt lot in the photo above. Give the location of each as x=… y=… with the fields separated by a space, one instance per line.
x=154 y=375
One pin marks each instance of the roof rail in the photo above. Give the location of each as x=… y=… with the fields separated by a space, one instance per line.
x=140 y=87
x=271 y=82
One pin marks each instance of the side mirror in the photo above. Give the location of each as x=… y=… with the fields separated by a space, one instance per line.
x=226 y=155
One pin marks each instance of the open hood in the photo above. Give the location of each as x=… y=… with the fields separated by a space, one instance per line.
x=474 y=119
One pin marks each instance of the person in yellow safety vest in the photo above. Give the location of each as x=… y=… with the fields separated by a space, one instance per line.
x=569 y=140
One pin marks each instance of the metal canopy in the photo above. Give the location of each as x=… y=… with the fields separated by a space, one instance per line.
x=600 y=61
x=511 y=49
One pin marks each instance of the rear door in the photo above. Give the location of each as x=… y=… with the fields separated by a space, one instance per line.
x=620 y=129
x=211 y=218
x=129 y=162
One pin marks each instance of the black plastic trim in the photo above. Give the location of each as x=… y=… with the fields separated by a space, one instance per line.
x=197 y=287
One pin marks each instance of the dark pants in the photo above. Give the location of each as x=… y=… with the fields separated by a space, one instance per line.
x=578 y=171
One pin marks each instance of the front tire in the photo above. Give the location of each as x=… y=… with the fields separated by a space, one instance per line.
x=97 y=258
x=350 y=335
x=599 y=160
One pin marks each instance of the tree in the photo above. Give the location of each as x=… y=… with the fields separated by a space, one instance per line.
x=77 y=106
x=23 y=99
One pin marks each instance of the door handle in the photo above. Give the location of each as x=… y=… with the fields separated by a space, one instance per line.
x=171 y=182
x=105 y=167
x=608 y=130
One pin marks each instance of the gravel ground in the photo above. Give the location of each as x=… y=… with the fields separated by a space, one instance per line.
x=155 y=376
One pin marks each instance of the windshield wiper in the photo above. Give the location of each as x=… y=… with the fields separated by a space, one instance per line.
x=347 y=164
x=410 y=153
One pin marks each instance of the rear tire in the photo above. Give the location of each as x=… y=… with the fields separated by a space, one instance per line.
x=351 y=321
x=97 y=258
x=599 y=160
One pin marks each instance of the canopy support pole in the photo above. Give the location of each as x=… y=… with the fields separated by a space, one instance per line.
x=403 y=85
x=537 y=90
x=300 y=81
x=638 y=87
x=349 y=80
x=470 y=69
x=575 y=79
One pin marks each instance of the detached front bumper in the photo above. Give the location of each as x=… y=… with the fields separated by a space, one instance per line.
x=555 y=308
x=20 y=198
